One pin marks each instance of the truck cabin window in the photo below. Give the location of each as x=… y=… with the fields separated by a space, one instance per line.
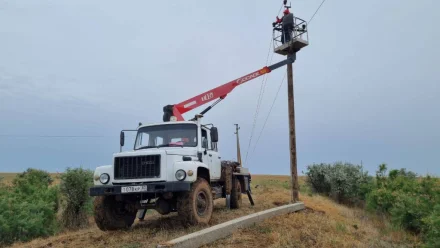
x=205 y=143
x=170 y=135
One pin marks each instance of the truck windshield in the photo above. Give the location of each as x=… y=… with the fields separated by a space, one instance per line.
x=184 y=135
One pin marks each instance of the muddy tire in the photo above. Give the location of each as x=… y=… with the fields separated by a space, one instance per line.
x=196 y=206
x=236 y=196
x=111 y=214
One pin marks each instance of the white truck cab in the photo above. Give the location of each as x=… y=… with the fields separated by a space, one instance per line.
x=174 y=166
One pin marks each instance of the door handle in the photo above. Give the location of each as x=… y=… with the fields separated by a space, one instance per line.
x=210 y=155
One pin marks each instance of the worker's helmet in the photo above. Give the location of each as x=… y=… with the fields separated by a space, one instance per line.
x=286 y=11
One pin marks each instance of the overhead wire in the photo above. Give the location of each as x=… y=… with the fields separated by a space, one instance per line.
x=311 y=18
x=281 y=7
x=263 y=90
x=276 y=96
x=260 y=95
x=53 y=136
x=254 y=123
x=268 y=114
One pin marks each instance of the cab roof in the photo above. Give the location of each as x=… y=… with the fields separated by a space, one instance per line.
x=168 y=123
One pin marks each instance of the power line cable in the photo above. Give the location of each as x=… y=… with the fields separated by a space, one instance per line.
x=276 y=96
x=316 y=11
x=261 y=94
x=280 y=9
x=264 y=83
x=54 y=136
x=268 y=114
x=258 y=102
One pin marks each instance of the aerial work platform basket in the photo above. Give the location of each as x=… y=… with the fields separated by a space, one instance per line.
x=290 y=40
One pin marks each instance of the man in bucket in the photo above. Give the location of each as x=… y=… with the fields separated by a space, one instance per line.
x=286 y=25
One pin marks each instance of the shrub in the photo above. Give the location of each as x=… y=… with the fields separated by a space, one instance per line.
x=344 y=182
x=318 y=177
x=75 y=184
x=380 y=200
x=412 y=202
x=28 y=207
x=36 y=182
x=432 y=227
x=34 y=177
x=408 y=211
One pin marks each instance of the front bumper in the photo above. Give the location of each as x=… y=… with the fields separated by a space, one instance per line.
x=151 y=188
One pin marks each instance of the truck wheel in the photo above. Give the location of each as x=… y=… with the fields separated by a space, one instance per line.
x=111 y=214
x=236 y=195
x=196 y=206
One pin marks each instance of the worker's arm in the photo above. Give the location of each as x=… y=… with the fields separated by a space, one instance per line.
x=279 y=20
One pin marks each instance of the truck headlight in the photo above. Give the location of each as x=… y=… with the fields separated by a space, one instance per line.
x=104 y=178
x=180 y=175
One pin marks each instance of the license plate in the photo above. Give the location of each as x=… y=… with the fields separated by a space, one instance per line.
x=131 y=189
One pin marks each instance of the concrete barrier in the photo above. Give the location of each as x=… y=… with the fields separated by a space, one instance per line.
x=222 y=230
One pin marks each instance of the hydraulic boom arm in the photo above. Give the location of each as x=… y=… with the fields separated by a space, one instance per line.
x=218 y=93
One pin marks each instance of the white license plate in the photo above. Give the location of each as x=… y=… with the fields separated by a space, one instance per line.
x=131 y=189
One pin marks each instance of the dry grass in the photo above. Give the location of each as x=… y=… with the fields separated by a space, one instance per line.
x=7 y=177
x=323 y=224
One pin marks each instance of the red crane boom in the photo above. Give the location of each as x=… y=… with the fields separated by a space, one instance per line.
x=218 y=93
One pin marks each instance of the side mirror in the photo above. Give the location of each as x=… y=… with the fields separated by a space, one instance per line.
x=122 y=139
x=214 y=134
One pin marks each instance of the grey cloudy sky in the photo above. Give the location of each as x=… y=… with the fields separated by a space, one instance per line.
x=366 y=88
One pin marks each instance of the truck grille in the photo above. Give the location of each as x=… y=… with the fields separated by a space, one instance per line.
x=137 y=167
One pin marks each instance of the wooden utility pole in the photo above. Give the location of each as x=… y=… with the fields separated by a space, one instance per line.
x=292 y=134
x=289 y=44
x=238 y=144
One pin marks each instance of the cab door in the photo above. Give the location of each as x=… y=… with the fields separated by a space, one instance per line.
x=215 y=164
x=210 y=155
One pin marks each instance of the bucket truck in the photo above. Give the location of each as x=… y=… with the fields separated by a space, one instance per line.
x=174 y=166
